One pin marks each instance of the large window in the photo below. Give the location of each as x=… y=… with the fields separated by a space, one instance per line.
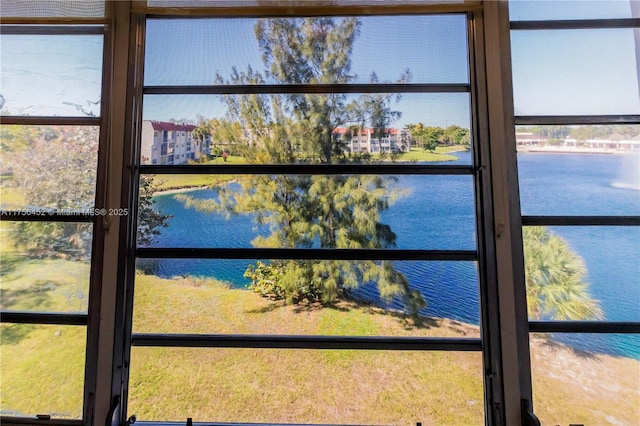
x=317 y=260
x=51 y=200
x=319 y=212
x=577 y=108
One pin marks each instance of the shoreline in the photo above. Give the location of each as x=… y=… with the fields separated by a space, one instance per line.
x=180 y=190
x=183 y=189
x=190 y=188
x=461 y=326
x=574 y=150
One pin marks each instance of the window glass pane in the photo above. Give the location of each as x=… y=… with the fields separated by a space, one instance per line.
x=424 y=128
x=51 y=75
x=575 y=72
x=44 y=266
x=580 y=273
x=342 y=211
x=215 y=296
x=578 y=386
x=531 y=10
x=303 y=386
x=48 y=167
x=183 y=52
x=557 y=177
x=42 y=368
x=52 y=8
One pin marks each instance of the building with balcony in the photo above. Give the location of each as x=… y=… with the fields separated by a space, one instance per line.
x=170 y=143
x=364 y=140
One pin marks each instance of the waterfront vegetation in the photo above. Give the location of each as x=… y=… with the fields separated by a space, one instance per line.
x=180 y=182
x=282 y=385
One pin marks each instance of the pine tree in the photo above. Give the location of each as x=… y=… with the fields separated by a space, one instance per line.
x=302 y=211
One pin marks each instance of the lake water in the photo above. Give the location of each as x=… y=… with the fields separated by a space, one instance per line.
x=437 y=213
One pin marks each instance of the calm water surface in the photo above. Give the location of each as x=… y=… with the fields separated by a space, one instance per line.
x=437 y=213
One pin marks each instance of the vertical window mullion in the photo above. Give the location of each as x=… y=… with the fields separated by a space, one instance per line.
x=87 y=322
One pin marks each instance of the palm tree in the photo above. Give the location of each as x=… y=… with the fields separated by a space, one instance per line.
x=555 y=278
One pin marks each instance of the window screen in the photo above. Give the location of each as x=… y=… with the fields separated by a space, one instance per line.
x=327 y=194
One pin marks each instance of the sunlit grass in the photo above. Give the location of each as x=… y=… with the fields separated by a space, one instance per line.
x=169 y=182
x=450 y=148
x=10 y=197
x=306 y=386
x=42 y=369
x=291 y=385
x=55 y=285
x=231 y=159
x=175 y=182
x=440 y=154
x=44 y=365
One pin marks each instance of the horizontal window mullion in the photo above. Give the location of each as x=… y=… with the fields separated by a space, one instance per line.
x=52 y=29
x=245 y=89
x=306 y=342
x=527 y=120
x=575 y=24
x=581 y=220
x=43 y=215
x=307 y=254
x=23 y=120
x=7 y=420
x=304 y=9
x=613 y=327
x=61 y=21
x=310 y=169
x=22 y=317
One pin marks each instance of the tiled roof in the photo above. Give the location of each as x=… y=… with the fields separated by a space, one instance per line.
x=162 y=125
x=368 y=130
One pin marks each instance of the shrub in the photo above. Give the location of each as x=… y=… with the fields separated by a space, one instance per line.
x=282 y=280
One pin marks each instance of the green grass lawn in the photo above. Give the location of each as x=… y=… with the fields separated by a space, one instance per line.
x=169 y=182
x=247 y=385
x=42 y=369
x=10 y=197
x=44 y=364
x=441 y=154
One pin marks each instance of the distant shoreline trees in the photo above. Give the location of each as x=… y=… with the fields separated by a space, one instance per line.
x=428 y=138
x=583 y=132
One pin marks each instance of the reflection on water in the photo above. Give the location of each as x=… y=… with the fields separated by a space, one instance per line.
x=629 y=172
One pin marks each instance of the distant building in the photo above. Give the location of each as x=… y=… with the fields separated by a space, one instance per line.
x=613 y=142
x=530 y=139
x=170 y=143
x=364 y=141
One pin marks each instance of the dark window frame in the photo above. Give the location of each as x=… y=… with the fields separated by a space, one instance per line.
x=489 y=344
